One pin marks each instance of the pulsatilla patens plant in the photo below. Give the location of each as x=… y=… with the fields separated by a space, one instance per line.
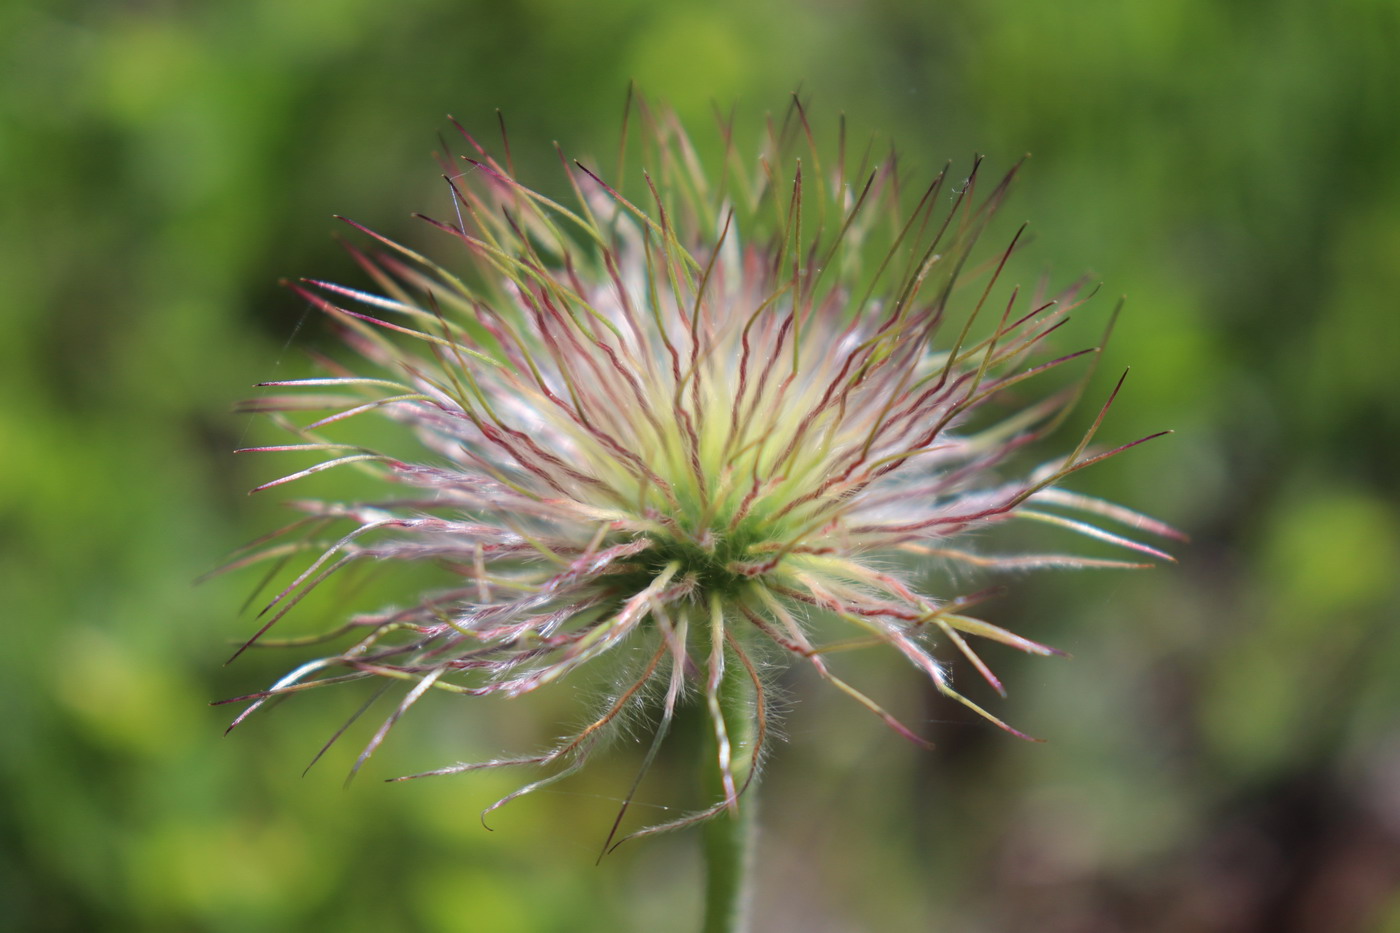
x=693 y=420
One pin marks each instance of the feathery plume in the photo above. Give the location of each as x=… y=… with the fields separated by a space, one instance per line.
x=705 y=416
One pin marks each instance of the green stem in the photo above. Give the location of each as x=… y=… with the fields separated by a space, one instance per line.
x=729 y=837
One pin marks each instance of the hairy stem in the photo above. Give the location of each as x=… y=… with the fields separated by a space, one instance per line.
x=729 y=837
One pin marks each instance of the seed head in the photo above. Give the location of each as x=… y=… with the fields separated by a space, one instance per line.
x=688 y=419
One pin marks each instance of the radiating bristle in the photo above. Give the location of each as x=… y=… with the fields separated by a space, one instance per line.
x=697 y=415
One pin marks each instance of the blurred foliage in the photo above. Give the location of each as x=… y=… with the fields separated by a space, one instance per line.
x=1225 y=751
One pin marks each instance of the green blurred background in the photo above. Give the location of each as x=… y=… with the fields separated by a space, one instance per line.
x=1224 y=748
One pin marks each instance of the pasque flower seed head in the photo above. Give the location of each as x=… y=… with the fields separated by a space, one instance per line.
x=688 y=417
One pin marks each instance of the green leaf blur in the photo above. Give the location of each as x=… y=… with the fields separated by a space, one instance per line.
x=1224 y=747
